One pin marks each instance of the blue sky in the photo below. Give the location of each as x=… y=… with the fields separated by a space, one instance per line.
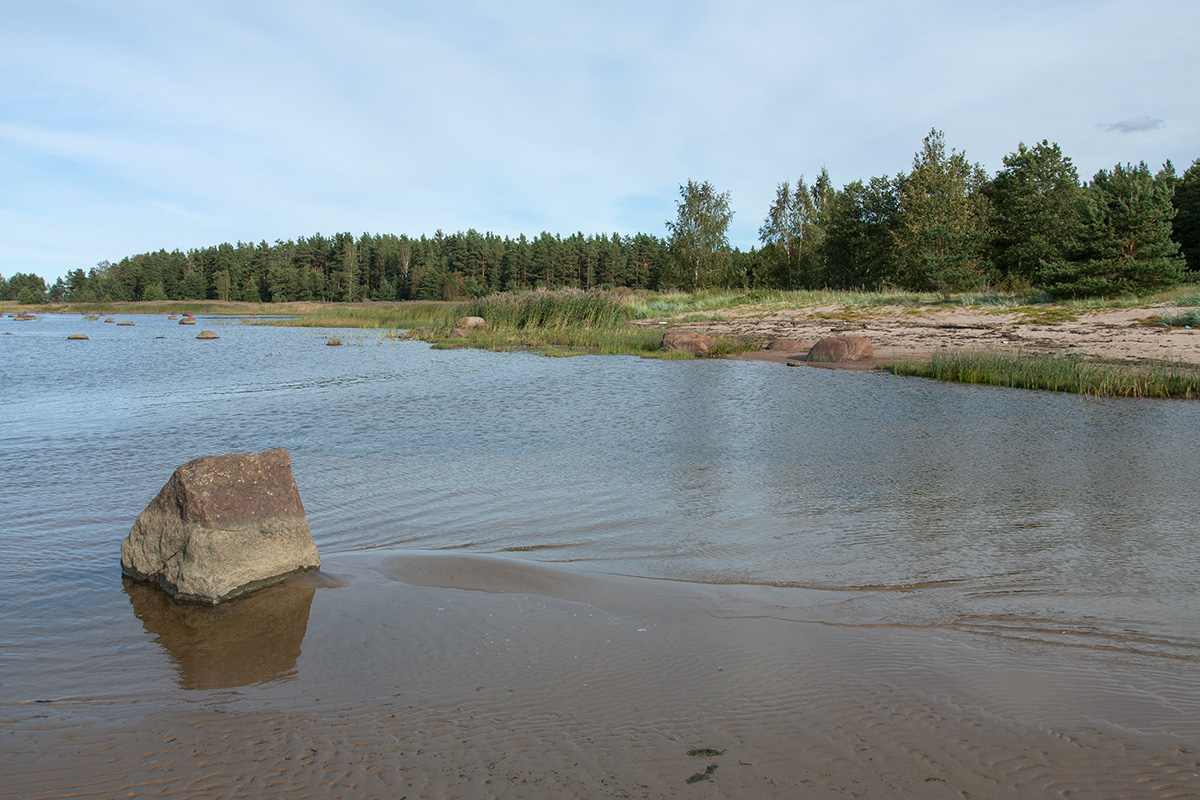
x=134 y=125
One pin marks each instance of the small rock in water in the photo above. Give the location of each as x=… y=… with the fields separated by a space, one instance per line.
x=222 y=526
x=187 y=321
x=76 y=336
x=125 y=323
x=111 y=319
x=207 y=335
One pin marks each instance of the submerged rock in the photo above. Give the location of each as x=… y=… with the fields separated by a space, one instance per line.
x=837 y=349
x=689 y=341
x=222 y=526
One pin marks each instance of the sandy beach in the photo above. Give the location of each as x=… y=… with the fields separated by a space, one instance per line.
x=915 y=333
x=454 y=676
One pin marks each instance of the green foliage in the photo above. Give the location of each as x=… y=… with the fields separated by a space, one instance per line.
x=1058 y=373
x=1124 y=243
x=1188 y=319
x=699 y=245
x=939 y=231
x=857 y=249
x=793 y=232
x=1036 y=204
x=560 y=309
x=1186 y=225
x=26 y=288
x=942 y=228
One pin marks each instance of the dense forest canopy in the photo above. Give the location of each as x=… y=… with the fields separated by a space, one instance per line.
x=942 y=226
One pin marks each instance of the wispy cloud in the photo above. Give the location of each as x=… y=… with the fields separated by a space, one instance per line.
x=133 y=125
x=1133 y=125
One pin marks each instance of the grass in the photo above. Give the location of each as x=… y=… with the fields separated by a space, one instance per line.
x=1188 y=319
x=1044 y=315
x=1059 y=373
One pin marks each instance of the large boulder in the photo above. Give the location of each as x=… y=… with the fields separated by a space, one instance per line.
x=791 y=345
x=837 y=349
x=689 y=341
x=470 y=323
x=222 y=526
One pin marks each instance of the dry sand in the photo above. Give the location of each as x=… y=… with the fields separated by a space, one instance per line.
x=453 y=676
x=914 y=333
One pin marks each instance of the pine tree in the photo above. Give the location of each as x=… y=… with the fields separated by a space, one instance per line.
x=1186 y=225
x=940 y=229
x=1124 y=242
x=1036 y=207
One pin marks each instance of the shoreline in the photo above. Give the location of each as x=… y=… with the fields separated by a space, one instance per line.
x=916 y=334
x=448 y=675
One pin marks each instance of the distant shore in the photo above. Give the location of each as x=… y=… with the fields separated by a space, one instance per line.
x=899 y=327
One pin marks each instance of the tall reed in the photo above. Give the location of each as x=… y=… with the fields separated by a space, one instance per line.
x=1058 y=373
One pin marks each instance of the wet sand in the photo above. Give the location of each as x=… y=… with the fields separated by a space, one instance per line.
x=443 y=675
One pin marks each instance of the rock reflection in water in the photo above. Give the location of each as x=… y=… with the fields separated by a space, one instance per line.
x=253 y=639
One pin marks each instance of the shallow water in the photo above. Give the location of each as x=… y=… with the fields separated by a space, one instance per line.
x=1012 y=516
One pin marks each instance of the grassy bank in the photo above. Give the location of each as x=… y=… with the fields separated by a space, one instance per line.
x=1058 y=373
x=564 y=322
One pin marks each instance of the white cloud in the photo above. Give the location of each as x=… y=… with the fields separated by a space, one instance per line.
x=136 y=125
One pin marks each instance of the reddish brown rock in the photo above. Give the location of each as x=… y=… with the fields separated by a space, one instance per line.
x=207 y=335
x=187 y=321
x=837 y=349
x=111 y=319
x=77 y=336
x=126 y=323
x=790 y=345
x=222 y=526
x=689 y=342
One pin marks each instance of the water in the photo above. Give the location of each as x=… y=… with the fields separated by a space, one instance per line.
x=1012 y=516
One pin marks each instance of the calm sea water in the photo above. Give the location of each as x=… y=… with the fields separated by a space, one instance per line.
x=1008 y=514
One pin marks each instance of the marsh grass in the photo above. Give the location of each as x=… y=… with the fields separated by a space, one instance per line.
x=561 y=309
x=1058 y=373
x=383 y=316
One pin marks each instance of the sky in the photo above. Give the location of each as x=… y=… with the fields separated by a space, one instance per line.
x=131 y=126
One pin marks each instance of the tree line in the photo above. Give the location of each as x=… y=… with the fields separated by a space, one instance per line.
x=943 y=226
